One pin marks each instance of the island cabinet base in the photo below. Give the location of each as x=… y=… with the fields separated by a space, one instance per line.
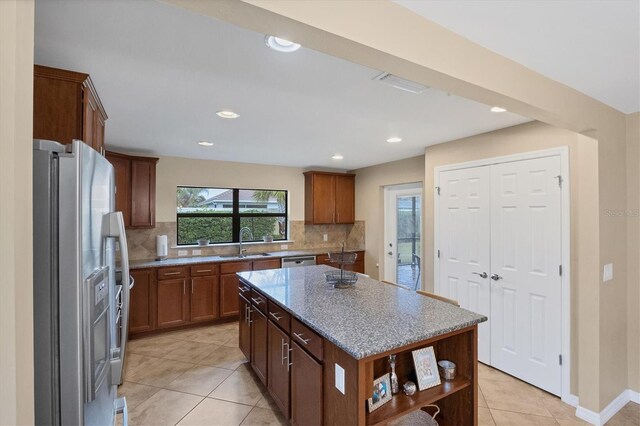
x=457 y=399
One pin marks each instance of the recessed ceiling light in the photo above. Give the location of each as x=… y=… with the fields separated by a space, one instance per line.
x=280 y=44
x=337 y=157
x=497 y=109
x=205 y=143
x=227 y=114
x=394 y=140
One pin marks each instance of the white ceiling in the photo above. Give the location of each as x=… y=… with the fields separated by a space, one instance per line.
x=162 y=72
x=592 y=46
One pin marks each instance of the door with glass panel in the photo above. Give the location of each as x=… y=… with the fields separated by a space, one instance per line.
x=403 y=234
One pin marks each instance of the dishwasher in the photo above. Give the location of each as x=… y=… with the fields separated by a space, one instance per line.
x=297 y=261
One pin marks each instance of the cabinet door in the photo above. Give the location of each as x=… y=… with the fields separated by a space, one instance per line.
x=204 y=298
x=98 y=132
x=173 y=303
x=324 y=199
x=142 y=302
x=122 y=167
x=279 y=367
x=229 y=295
x=306 y=388
x=259 y=344
x=90 y=110
x=345 y=199
x=261 y=265
x=245 y=327
x=143 y=193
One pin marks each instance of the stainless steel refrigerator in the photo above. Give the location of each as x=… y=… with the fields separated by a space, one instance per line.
x=80 y=310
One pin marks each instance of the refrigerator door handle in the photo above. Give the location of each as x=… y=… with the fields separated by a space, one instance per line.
x=121 y=408
x=116 y=230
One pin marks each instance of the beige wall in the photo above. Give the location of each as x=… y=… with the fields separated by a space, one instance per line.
x=16 y=257
x=633 y=243
x=524 y=138
x=370 y=203
x=174 y=171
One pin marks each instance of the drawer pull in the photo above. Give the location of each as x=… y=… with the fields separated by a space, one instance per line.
x=257 y=301
x=275 y=316
x=244 y=289
x=302 y=339
x=203 y=270
x=172 y=273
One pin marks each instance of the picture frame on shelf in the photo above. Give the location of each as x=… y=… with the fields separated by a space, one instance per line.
x=381 y=392
x=426 y=366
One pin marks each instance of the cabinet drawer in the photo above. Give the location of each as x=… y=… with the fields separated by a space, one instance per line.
x=233 y=267
x=322 y=259
x=204 y=270
x=306 y=338
x=259 y=301
x=261 y=265
x=279 y=316
x=173 y=273
x=244 y=290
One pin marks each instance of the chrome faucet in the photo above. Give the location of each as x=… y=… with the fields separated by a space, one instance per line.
x=242 y=231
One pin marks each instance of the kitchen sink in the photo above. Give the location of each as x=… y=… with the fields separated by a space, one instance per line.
x=244 y=256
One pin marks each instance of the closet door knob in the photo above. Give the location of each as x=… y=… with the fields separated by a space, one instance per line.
x=496 y=277
x=482 y=275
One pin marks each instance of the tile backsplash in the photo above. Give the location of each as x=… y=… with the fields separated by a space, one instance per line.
x=142 y=242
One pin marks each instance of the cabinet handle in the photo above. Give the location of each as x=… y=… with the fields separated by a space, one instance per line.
x=299 y=336
x=289 y=362
x=172 y=273
x=250 y=311
x=275 y=316
x=203 y=270
x=244 y=289
x=257 y=301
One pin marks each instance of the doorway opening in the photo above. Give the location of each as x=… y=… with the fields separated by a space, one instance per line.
x=403 y=234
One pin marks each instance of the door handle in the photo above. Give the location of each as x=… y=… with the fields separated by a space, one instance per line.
x=482 y=275
x=496 y=277
x=390 y=253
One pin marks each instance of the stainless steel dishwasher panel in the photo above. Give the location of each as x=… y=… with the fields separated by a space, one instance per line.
x=298 y=261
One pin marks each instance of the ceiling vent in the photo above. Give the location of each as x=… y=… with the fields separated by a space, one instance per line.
x=400 y=83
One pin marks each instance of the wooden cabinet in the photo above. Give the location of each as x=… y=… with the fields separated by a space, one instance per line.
x=204 y=298
x=135 y=188
x=259 y=344
x=229 y=286
x=261 y=265
x=306 y=388
x=278 y=366
x=142 y=300
x=329 y=198
x=244 y=340
x=66 y=106
x=173 y=302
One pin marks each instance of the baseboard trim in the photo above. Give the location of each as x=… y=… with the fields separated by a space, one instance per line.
x=572 y=400
x=599 y=419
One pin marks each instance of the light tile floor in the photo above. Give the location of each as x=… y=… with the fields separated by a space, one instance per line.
x=200 y=377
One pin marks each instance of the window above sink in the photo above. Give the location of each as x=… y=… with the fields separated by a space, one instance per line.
x=218 y=214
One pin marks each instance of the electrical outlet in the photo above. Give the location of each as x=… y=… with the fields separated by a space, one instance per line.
x=117 y=246
x=196 y=252
x=325 y=237
x=607 y=273
x=340 y=378
x=183 y=252
x=284 y=246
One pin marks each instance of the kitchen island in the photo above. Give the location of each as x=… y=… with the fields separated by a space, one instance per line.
x=318 y=349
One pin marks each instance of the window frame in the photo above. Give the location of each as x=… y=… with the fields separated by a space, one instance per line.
x=235 y=215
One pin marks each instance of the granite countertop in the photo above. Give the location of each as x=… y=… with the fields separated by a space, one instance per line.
x=194 y=260
x=370 y=318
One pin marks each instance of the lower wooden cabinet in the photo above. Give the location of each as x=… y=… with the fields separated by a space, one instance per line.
x=278 y=367
x=229 y=295
x=259 y=344
x=306 y=388
x=244 y=341
x=204 y=298
x=142 y=300
x=173 y=303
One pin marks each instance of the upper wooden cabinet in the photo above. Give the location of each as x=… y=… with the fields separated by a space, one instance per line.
x=66 y=106
x=135 y=188
x=329 y=198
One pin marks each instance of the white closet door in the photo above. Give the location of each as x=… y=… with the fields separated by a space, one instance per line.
x=464 y=227
x=525 y=260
